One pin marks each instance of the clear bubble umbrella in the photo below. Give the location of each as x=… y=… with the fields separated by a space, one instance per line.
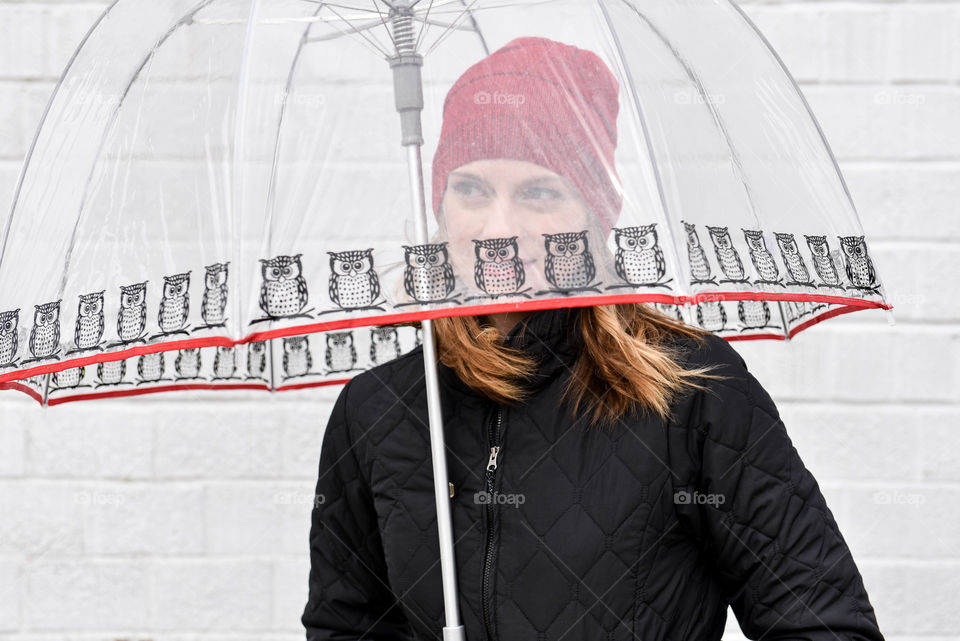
x=229 y=194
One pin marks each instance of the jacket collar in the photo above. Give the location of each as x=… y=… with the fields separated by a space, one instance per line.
x=552 y=336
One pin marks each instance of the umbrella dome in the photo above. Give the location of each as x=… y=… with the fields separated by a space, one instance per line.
x=218 y=196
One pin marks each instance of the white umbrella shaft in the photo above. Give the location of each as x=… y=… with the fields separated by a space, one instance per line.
x=454 y=630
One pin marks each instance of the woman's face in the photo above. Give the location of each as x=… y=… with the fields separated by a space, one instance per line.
x=500 y=198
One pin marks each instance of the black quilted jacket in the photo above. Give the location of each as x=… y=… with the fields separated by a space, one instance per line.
x=647 y=532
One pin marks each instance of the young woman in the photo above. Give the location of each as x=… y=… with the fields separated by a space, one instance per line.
x=614 y=474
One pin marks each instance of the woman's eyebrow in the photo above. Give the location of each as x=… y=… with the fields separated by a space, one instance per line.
x=539 y=180
x=463 y=174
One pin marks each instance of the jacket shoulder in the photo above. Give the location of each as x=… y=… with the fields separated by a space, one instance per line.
x=714 y=352
x=735 y=392
x=396 y=378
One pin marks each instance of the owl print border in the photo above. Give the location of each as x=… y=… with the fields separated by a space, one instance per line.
x=854 y=262
x=354 y=285
x=639 y=260
x=150 y=372
x=428 y=276
x=498 y=269
x=283 y=290
x=777 y=261
x=569 y=264
x=133 y=375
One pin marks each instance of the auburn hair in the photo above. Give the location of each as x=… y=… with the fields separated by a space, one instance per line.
x=625 y=362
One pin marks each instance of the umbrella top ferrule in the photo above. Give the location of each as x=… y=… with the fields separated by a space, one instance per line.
x=408 y=95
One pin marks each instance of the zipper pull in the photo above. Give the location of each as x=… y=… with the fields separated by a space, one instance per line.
x=492 y=463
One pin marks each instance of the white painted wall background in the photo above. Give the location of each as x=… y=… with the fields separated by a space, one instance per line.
x=158 y=518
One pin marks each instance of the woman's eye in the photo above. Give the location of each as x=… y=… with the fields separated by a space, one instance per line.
x=468 y=188
x=541 y=193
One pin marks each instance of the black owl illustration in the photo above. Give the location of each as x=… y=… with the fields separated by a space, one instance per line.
x=384 y=345
x=150 y=368
x=132 y=319
x=498 y=269
x=670 y=310
x=90 y=324
x=727 y=256
x=283 y=293
x=174 y=305
x=818 y=306
x=213 y=307
x=36 y=381
x=639 y=260
x=859 y=268
x=753 y=314
x=823 y=261
x=111 y=373
x=341 y=355
x=700 y=271
x=225 y=363
x=428 y=276
x=761 y=257
x=297 y=359
x=187 y=363
x=353 y=284
x=794 y=310
x=712 y=316
x=71 y=378
x=569 y=264
x=9 y=341
x=45 y=334
x=796 y=267
x=257 y=360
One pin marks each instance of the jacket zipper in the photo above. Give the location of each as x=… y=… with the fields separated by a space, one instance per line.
x=493 y=438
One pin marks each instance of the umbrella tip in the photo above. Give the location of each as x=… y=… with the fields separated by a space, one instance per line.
x=891 y=321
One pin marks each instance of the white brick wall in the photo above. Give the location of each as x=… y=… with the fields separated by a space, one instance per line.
x=127 y=519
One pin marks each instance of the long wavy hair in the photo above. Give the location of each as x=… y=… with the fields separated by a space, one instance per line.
x=626 y=361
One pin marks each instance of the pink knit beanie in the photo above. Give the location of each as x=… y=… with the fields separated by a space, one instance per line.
x=541 y=101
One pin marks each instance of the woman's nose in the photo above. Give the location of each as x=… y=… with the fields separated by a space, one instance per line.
x=500 y=219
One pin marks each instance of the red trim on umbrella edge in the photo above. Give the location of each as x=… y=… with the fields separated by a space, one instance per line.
x=8 y=382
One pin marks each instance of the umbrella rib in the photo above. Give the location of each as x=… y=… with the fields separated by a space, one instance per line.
x=447 y=25
x=803 y=101
x=386 y=27
x=645 y=128
x=451 y=27
x=272 y=185
x=340 y=34
x=425 y=27
x=323 y=3
x=373 y=41
x=475 y=28
x=43 y=118
x=711 y=107
x=103 y=139
x=496 y=6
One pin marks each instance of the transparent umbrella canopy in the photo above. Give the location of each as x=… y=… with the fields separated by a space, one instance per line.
x=222 y=193
x=231 y=194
